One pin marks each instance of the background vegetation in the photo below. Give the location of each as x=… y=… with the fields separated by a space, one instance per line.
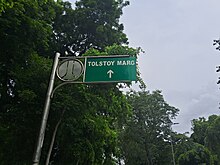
x=100 y=123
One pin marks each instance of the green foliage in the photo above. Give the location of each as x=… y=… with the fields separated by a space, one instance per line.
x=145 y=139
x=21 y=120
x=93 y=24
x=89 y=131
x=182 y=144
x=206 y=132
x=95 y=128
x=30 y=31
x=94 y=52
x=213 y=136
x=122 y=50
x=4 y=5
x=197 y=155
x=199 y=127
x=25 y=29
x=114 y=49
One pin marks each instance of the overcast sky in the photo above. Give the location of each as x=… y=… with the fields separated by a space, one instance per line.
x=180 y=58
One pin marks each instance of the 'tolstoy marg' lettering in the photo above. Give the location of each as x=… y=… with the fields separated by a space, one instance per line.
x=124 y=62
x=111 y=63
x=101 y=63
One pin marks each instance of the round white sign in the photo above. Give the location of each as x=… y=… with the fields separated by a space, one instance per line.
x=70 y=70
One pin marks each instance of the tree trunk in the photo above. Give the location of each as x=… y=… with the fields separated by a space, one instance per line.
x=53 y=138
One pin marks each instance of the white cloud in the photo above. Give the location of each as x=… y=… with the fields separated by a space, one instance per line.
x=194 y=104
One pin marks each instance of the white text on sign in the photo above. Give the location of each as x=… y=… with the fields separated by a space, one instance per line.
x=111 y=63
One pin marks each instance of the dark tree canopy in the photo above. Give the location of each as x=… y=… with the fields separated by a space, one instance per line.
x=206 y=132
x=145 y=139
x=92 y=24
x=197 y=155
x=30 y=33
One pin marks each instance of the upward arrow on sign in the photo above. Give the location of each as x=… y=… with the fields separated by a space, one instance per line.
x=109 y=69
x=110 y=72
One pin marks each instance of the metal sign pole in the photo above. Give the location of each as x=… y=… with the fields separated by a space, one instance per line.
x=37 y=153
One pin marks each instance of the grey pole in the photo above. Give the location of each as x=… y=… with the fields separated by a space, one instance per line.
x=173 y=156
x=171 y=143
x=37 y=153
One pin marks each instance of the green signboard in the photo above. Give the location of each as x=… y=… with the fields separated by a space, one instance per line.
x=110 y=69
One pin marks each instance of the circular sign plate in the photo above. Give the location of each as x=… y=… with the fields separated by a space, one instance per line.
x=70 y=70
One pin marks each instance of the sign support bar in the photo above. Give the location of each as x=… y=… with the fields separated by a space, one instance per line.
x=37 y=154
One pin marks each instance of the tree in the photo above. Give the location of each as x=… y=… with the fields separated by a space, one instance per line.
x=25 y=29
x=21 y=120
x=199 y=127
x=89 y=132
x=30 y=32
x=182 y=144
x=212 y=136
x=93 y=24
x=145 y=139
x=205 y=132
x=197 y=155
x=25 y=33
